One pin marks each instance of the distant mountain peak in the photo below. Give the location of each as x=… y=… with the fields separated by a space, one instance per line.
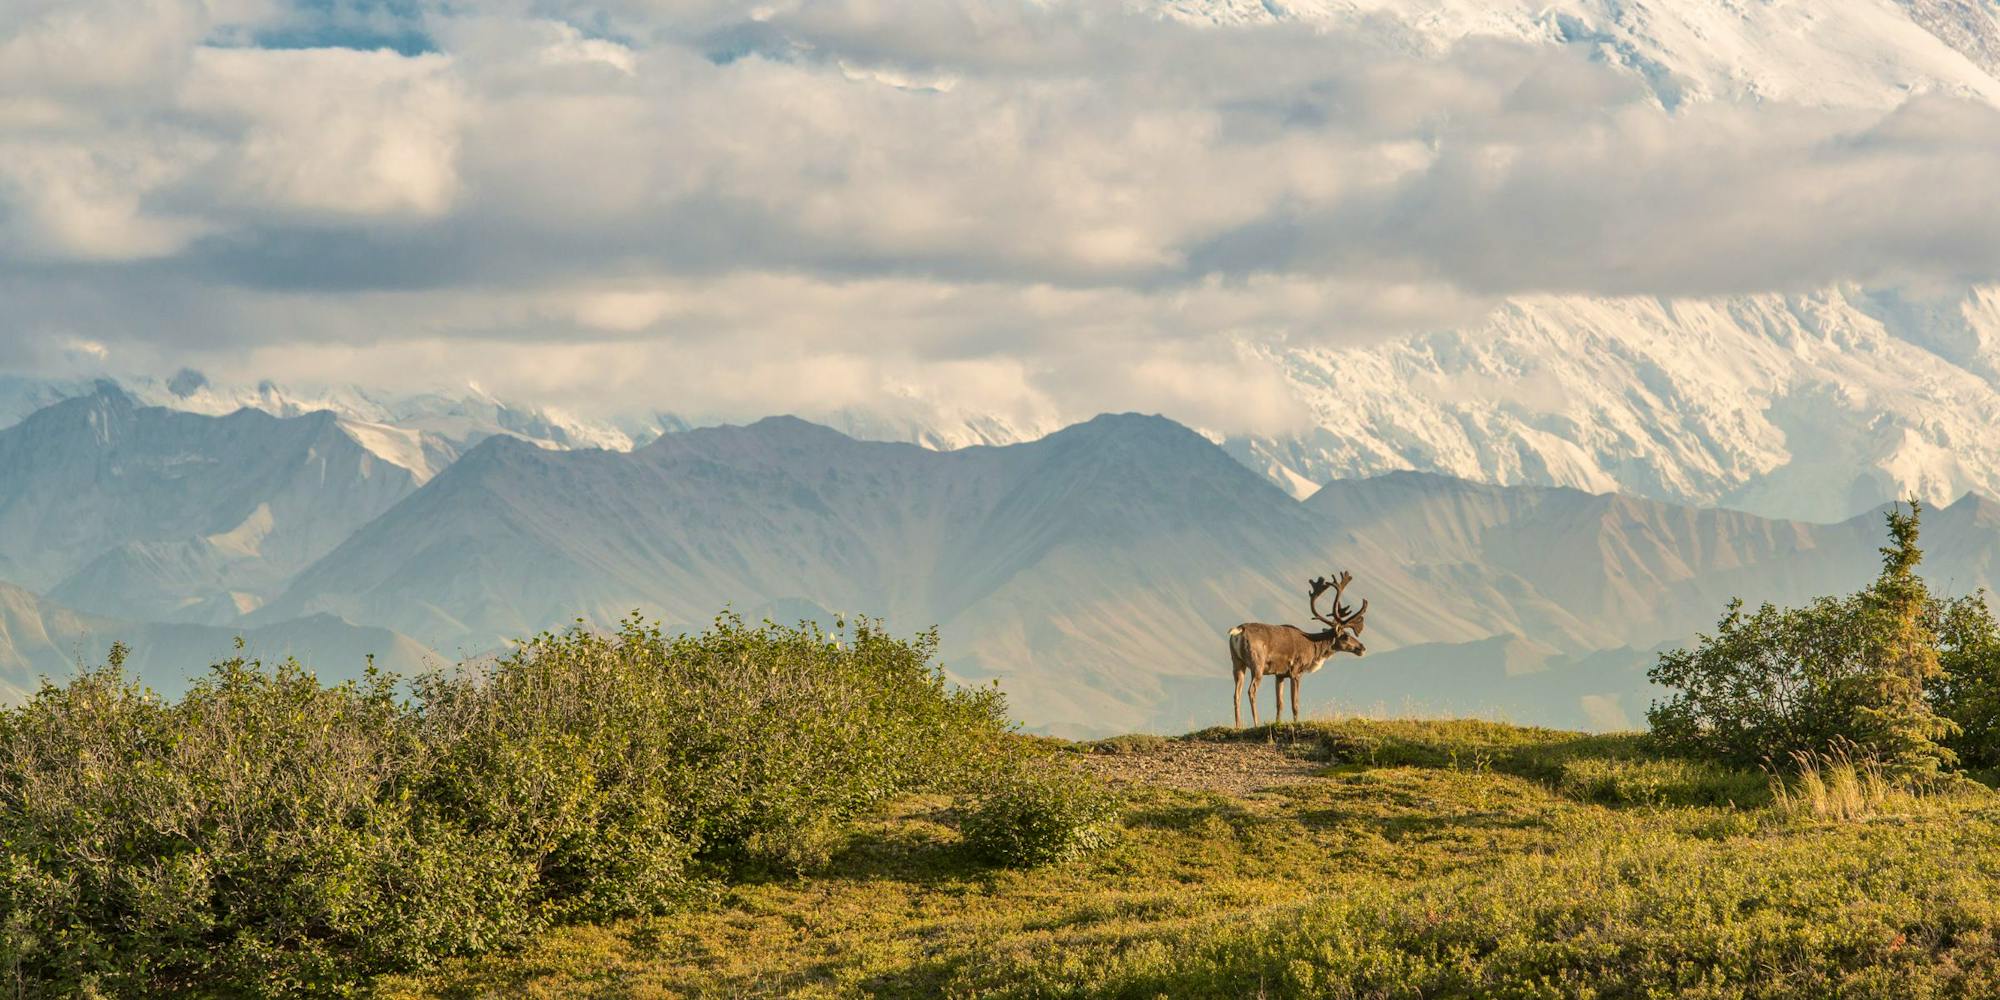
x=156 y=505
x=1150 y=428
x=1975 y=507
x=186 y=382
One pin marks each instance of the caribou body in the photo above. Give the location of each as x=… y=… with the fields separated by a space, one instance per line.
x=1257 y=650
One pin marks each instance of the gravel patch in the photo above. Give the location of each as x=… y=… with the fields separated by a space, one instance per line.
x=1233 y=768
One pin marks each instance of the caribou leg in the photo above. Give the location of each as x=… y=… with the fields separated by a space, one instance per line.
x=1236 y=702
x=1256 y=681
x=1295 y=699
x=1278 y=696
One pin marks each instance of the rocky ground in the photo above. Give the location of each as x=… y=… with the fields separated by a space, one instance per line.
x=1232 y=767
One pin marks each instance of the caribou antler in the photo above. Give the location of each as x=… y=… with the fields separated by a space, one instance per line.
x=1342 y=617
x=1321 y=586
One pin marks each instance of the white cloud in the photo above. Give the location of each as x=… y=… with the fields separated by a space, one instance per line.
x=1044 y=207
x=68 y=200
x=119 y=48
x=329 y=131
x=623 y=311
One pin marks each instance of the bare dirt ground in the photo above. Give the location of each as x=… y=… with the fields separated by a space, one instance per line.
x=1233 y=768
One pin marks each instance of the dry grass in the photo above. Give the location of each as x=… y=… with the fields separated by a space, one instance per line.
x=1835 y=786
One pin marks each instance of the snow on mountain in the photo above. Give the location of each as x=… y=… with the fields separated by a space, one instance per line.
x=445 y=421
x=1831 y=53
x=462 y=418
x=1808 y=406
x=1812 y=405
x=424 y=431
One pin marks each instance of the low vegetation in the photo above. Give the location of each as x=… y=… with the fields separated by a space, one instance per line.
x=1420 y=859
x=266 y=835
x=1043 y=816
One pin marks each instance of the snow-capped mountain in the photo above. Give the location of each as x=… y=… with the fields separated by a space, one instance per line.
x=462 y=417
x=1836 y=53
x=1812 y=405
x=1808 y=406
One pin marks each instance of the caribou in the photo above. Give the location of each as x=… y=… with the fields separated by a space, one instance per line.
x=1289 y=652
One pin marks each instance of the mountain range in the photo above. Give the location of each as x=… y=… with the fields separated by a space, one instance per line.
x=1091 y=572
x=145 y=512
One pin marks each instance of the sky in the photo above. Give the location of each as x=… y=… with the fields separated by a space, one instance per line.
x=1033 y=210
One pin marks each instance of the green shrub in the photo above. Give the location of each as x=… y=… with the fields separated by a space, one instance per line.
x=1856 y=671
x=1968 y=690
x=1042 y=816
x=565 y=754
x=269 y=836
x=257 y=837
x=822 y=730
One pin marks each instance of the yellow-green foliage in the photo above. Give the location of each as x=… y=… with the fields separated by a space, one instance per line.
x=1661 y=782
x=1431 y=859
x=1872 y=672
x=269 y=836
x=1042 y=815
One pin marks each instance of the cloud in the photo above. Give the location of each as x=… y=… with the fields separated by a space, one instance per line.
x=1049 y=207
x=325 y=133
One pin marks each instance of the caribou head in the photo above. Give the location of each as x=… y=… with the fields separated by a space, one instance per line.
x=1344 y=628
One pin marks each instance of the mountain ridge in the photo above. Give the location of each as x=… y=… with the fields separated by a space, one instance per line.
x=244 y=499
x=1091 y=571
x=1057 y=565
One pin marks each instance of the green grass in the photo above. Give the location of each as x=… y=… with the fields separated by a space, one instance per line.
x=1428 y=859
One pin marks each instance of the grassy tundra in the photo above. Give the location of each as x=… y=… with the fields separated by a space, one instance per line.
x=769 y=811
x=1354 y=859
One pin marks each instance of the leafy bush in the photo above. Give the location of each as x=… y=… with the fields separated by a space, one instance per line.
x=1854 y=671
x=1042 y=816
x=823 y=730
x=257 y=837
x=1766 y=684
x=1968 y=690
x=266 y=835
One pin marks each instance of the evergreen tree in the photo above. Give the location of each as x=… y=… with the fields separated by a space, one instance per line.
x=1895 y=719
